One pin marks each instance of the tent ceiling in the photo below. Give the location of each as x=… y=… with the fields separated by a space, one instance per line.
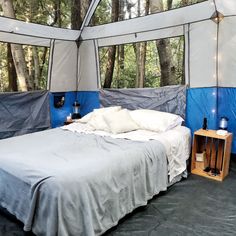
x=13 y=26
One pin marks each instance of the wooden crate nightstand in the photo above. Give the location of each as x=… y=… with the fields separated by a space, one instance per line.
x=215 y=152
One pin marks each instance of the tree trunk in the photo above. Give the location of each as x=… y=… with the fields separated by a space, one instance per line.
x=121 y=51
x=78 y=11
x=36 y=68
x=45 y=51
x=76 y=19
x=12 y=76
x=164 y=50
x=169 y=4
x=112 y=50
x=167 y=69
x=17 y=51
x=110 y=67
x=141 y=61
x=140 y=51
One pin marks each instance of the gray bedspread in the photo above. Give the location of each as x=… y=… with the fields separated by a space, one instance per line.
x=63 y=183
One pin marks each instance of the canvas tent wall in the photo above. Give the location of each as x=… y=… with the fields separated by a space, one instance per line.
x=209 y=55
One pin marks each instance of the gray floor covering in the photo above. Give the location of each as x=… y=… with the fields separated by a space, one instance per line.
x=196 y=206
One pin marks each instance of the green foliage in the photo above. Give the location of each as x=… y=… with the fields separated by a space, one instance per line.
x=43 y=12
x=102 y=14
x=42 y=80
x=126 y=77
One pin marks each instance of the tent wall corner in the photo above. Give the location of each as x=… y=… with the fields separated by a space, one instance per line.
x=88 y=66
x=62 y=73
x=88 y=101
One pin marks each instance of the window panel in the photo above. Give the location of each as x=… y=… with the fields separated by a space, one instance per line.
x=23 y=67
x=146 y=64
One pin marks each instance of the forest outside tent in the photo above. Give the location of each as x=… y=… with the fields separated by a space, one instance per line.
x=130 y=73
x=36 y=61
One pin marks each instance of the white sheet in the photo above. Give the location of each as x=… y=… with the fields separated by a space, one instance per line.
x=177 y=143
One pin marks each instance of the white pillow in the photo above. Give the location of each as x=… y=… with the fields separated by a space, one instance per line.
x=120 y=122
x=86 y=118
x=155 y=120
x=97 y=119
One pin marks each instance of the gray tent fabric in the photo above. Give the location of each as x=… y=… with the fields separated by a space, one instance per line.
x=23 y=113
x=168 y=99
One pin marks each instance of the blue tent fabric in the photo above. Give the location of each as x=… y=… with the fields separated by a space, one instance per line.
x=59 y=114
x=227 y=107
x=87 y=100
x=212 y=103
x=201 y=102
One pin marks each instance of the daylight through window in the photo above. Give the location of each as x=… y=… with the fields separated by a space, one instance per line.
x=29 y=72
x=146 y=64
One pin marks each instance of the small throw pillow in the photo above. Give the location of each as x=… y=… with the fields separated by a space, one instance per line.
x=120 y=122
x=97 y=119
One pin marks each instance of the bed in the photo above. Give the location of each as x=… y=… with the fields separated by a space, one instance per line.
x=78 y=180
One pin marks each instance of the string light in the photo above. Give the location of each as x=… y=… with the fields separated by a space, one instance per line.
x=217 y=17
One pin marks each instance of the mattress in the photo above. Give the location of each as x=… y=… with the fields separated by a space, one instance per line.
x=59 y=182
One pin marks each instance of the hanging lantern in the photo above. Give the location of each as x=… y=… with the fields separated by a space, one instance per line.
x=223 y=123
x=76 y=111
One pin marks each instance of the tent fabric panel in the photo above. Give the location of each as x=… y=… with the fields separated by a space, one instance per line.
x=227 y=52
x=23 y=113
x=58 y=115
x=201 y=102
x=41 y=31
x=168 y=99
x=88 y=69
x=88 y=101
x=64 y=64
x=161 y=20
x=226 y=7
x=22 y=39
x=202 y=55
x=143 y=36
x=227 y=107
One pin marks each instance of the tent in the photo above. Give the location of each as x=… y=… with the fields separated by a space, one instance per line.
x=210 y=39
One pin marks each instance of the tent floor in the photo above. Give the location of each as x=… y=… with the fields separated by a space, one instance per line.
x=196 y=206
